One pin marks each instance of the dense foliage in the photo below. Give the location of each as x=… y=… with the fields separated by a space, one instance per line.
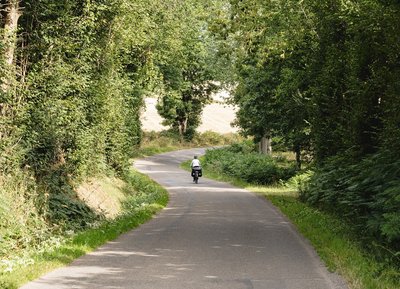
x=323 y=76
x=142 y=198
x=188 y=70
x=242 y=162
x=73 y=77
x=366 y=192
x=70 y=110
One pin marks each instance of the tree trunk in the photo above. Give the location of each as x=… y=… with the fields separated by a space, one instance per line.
x=182 y=126
x=297 y=150
x=12 y=11
x=265 y=146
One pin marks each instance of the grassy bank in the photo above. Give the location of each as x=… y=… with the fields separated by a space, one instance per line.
x=160 y=142
x=143 y=198
x=335 y=240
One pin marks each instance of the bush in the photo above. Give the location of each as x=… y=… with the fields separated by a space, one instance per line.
x=248 y=166
x=367 y=193
x=299 y=182
x=21 y=225
x=244 y=147
x=142 y=191
x=210 y=138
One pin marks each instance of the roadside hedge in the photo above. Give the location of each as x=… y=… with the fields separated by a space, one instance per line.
x=249 y=166
x=367 y=193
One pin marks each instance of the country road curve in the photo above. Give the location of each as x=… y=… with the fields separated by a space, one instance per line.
x=211 y=235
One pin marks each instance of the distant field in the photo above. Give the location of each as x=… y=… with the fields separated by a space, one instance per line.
x=216 y=117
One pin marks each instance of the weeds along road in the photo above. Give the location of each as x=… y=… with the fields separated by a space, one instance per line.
x=211 y=235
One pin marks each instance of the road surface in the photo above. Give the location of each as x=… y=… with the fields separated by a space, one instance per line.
x=211 y=236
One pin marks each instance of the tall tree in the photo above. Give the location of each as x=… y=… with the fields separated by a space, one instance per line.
x=10 y=98
x=271 y=46
x=187 y=68
x=12 y=13
x=323 y=75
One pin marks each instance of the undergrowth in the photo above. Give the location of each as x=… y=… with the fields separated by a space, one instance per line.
x=144 y=198
x=366 y=193
x=242 y=162
x=22 y=226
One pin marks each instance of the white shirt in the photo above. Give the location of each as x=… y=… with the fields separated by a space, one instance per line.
x=195 y=163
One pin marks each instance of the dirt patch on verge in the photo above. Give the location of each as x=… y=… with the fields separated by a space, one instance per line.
x=103 y=195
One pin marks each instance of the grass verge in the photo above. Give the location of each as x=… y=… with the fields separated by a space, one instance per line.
x=165 y=141
x=145 y=198
x=334 y=240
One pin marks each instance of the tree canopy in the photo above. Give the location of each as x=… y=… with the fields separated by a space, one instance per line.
x=73 y=77
x=323 y=76
x=187 y=67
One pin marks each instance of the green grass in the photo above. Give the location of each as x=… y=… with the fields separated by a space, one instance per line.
x=336 y=243
x=334 y=240
x=34 y=264
x=160 y=142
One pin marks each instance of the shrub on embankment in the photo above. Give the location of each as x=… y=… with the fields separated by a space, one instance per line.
x=69 y=110
x=367 y=193
x=241 y=162
x=32 y=247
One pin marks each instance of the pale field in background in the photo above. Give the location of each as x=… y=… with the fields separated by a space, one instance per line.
x=216 y=117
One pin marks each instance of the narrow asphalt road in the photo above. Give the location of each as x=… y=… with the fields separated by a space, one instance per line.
x=211 y=235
